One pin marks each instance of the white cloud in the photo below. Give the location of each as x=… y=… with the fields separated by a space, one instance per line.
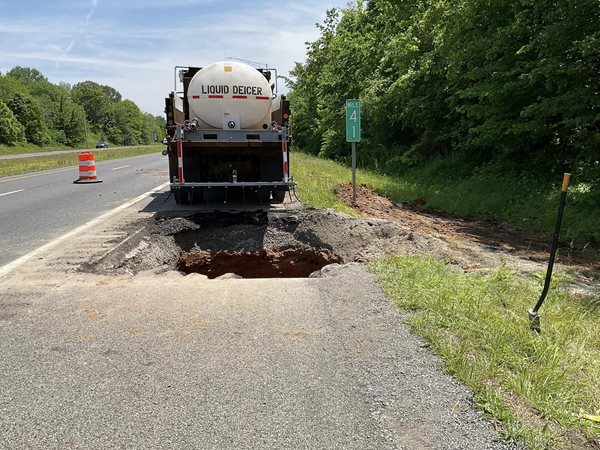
x=79 y=34
x=133 y=46
x=77 y=61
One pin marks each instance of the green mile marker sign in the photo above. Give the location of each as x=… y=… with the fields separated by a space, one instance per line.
x=352 y=120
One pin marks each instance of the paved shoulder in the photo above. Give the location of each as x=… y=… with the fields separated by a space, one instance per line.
x=182 y=362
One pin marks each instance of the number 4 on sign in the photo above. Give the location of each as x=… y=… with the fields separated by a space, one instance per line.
x=353 y=135
x=352 y=120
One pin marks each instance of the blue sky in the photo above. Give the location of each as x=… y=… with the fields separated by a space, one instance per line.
x=133 y=45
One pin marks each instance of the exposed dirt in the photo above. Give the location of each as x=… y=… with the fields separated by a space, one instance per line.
x=482 y=242
x=250 y=243
x=144 y=307
x=292 y=262
x=277 y=243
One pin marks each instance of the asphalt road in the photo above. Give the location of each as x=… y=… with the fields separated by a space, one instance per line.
x=38 y=207
x=163 y=361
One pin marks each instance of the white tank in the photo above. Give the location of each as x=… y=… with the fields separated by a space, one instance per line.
x=230 y=94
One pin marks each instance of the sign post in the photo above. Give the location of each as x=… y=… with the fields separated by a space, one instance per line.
x=353 y=135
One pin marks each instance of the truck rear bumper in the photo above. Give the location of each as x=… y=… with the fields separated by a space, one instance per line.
x=271 y=184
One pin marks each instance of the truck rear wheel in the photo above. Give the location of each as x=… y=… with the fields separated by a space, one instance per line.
x=278 y=196
x=264 y=195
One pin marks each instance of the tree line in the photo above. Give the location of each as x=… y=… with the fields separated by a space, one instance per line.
x=489 y=81
x=36 y=111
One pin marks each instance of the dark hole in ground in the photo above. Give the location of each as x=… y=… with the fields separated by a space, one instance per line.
x=221 y=218
x=291 y=262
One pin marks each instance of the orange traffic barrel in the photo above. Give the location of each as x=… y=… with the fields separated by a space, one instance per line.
x=87 y=169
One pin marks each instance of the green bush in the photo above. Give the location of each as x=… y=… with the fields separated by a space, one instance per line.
x=11 y=130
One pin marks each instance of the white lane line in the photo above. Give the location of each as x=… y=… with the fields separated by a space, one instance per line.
x=35 y=174
x=6 y=269
x=122 y=167
x=12 y=192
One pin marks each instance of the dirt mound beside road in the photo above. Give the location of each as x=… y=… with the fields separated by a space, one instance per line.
x=415 y=216
x=483 y=242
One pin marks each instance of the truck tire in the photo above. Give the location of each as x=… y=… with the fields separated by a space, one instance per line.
x=264 y=195
x=278 y=196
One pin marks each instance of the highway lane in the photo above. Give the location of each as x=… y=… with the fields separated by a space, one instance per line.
x=38 y=207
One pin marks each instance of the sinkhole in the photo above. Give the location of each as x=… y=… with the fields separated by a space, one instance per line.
x=249 y=244
x=290 y=262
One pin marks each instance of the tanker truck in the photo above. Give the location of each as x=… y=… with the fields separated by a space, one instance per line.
x=227 y=135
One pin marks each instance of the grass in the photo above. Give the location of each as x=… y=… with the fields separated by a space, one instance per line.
x=317 y=179
x=9 y=167
x=24 y=147
x=30 y=148
x=535 y=386
x=527 y=203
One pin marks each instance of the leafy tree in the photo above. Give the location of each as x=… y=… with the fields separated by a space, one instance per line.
x=94 y=100
x=45 y=113
x=112 y=94
x=109 y=127
x=9 y=87
x=26 y=75
x=127 y=123
x=306 y=90
x=11 y=130
x=154 y=129
x=69 y=121
x=29 y=114
x=517 y=83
